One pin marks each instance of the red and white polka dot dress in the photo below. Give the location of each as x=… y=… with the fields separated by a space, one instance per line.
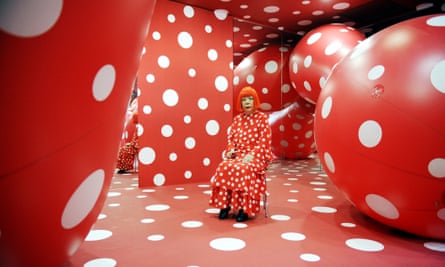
x=238 y=184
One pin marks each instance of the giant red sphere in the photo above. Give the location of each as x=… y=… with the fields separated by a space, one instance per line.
x=380 y=126
x=67 y=68
x=292 y=132
x=312 y=59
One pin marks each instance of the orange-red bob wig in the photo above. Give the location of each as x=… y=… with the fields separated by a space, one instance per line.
x=248 y=91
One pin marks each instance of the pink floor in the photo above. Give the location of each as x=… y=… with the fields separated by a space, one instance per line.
x=309 y=223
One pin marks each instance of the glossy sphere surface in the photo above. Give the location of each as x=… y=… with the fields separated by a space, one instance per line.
x=380 y=126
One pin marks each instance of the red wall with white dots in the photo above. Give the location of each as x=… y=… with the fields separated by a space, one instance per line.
x=185 y=102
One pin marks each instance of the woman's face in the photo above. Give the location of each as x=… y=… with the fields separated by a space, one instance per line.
x=247 y=103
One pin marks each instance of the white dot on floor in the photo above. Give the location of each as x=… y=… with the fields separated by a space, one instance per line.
x=180 y=197
x=192 y=224
x=310 y=257
x=348 y=225
x=157 y=207
x=95 y=235
x=155 y=237
x=102 y=262
x=293 y=236
x=324 y=209
x=212 y=211
x=148 y=220
x=113 y=194
x=279 y=217
x=239 y=225
x=364 y=244
x=227 y=244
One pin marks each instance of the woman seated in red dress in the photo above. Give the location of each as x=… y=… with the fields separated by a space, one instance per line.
x=239 y=181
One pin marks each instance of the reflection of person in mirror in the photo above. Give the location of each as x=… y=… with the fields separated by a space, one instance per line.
x=129 y=143
x=239 y=180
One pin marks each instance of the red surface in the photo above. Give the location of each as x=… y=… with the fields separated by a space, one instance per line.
x=295 y=188
x=186 y=136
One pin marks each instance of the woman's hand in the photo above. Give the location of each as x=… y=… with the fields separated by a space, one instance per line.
x=231 y=154
x=247 y=158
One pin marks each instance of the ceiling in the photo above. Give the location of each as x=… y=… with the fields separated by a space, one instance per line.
x=262 y=22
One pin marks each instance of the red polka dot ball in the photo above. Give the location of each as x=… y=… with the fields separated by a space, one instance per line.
x=312 y=59
x=380 y=126
x=67 y=72
x=292 y=132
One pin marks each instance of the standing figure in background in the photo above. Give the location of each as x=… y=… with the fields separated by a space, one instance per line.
x=239 y=180
x=129 y=144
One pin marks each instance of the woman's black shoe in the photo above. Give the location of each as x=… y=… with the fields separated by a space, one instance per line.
x=224 y=213
x=242 y=216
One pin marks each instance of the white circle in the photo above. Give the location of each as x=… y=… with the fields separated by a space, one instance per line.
x=376 y=72
x=185 y=40
x=271 y=66
x=189 y=12
x=227 y=244
x=436 y=167
x=163 y=62
x=173 y=157
x=155 y=237
x=191 y=224
x=190 y=142
x=171 y=18
x=29 y=18
x=329 y=161
x=157 y=207
x=313 y=38
x=146 y=155
x=148 y=220
x=291 y=236
x=437 y=78
x=370 y=133
x=212 y=127
x=326 y=107
x=307 y=61
x=150 y=78
x=102 y=262
x=156 y=35
x=324 y=209
x=203 y=103
x=170 y=97
x=103 y=82
x=221 y=14
x=187 y=119
x=309 y=257
x=212 y=54
x=192 y=72
x=188 y=174
x=146 y=109
x=280 y=217
x=166 y=130
x=364 y=244
x=208 y=28
x=95 y=235
x=221 y=83
x=83 y=200
x=159 y=179
x=332 y=48
x=382 y=206
x=348 y=225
